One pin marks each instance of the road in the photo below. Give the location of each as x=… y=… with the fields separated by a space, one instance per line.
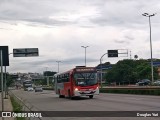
x=49 y=101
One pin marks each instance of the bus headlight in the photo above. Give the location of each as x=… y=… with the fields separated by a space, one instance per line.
x=76 y=89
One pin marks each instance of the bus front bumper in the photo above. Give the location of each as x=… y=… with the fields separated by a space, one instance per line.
x=86 y=93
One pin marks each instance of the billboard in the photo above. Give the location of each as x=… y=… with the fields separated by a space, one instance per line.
x=112 y=53
x=5 y=55
x=25 y=52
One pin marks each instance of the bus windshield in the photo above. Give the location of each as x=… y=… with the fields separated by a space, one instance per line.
x=85 y=79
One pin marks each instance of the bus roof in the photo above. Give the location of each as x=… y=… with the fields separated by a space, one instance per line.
x=78 y=69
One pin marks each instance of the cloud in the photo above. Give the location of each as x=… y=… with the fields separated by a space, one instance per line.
x=125 y=12
x=95 y=12
x=48 y=12
x=121 y=41
x=60 y=27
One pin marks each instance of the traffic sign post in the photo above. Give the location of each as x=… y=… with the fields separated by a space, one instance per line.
x=111 y=53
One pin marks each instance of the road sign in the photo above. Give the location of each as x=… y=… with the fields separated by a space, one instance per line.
x=25 y=52
x=112 y=53
x=5 y=55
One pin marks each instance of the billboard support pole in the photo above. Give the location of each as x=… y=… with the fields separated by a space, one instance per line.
x=5 y=83
x=1 y=58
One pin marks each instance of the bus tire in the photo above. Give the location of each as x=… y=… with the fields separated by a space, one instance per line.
x=60 y=96
x=90 y=96
x=69 y=95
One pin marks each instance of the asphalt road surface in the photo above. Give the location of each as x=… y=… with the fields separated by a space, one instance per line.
x=115 y=105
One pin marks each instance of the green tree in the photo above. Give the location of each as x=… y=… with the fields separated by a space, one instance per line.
x=129 y=71
x=144 y=71
x=9 y=80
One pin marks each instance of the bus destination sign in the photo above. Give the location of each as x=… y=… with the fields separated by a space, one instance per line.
x=84 y=69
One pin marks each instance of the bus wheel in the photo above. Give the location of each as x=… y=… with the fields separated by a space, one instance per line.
x=91 y=96
x=69 y=95
x=60 y=96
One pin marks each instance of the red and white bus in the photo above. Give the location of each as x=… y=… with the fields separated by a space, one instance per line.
x=80 y=81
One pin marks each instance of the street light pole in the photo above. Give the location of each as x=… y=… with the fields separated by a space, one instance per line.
x=85 y=52
x=149 y=16
x=58 y=65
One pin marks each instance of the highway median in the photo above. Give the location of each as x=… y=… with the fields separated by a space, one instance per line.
x=144 y=90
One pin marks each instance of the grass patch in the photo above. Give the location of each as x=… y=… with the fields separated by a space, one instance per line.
x=17 y=107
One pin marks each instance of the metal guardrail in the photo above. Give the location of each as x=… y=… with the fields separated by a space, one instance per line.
x=26 y=107
x=144 y=90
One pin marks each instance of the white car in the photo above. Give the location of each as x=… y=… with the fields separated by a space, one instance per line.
x=30 y=89
x=157 y=83
x=38 y=89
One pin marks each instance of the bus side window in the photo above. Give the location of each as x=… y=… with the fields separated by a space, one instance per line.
x=59 y=80
x=67 y=77
x=63 y=78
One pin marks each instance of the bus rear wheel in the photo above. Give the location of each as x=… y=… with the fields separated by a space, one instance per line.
x=60 y=96
x=90 y=96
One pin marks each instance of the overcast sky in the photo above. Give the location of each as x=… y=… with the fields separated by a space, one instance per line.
x=58 y=28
